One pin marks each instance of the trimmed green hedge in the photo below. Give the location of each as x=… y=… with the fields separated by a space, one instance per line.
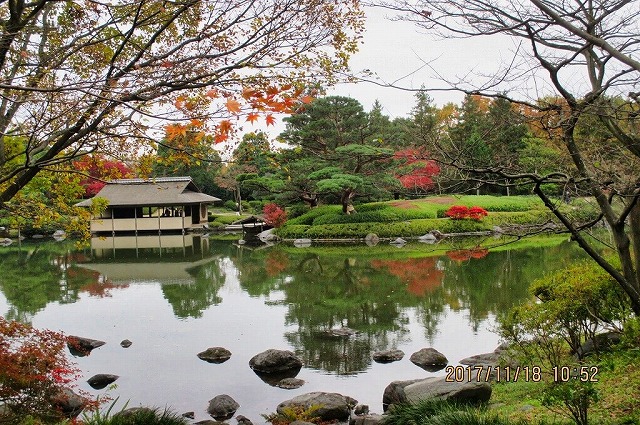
x=519 y=218
x=315 y=213
x=384 y=230
x=387 y=214
x=502 y=203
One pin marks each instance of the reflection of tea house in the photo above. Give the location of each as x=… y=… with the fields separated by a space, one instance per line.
x=164 y=204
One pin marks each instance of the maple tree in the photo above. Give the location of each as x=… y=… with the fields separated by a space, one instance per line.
x=34 y=368
x=81 y=76
x=417 y=170
x=274 y=215
x=100 y=170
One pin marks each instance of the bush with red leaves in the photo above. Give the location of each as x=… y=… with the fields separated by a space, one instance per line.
x=274 y=215
x=34 y=370
x=461 y=212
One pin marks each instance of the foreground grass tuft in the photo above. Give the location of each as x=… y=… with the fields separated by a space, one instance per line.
x=438 y=412
x=139 y=416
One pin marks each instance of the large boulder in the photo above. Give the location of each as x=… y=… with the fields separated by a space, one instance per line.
x=330 y=406
x=222 y=407
x=368 y=419
x=484 y=359
x=435 y=388
x=275 y=361
x=490 y=362
x=429 y=359
x=215 y=355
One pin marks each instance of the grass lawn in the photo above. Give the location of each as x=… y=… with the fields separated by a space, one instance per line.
x=618 y=387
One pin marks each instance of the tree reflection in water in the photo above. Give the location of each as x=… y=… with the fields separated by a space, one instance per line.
x=375 y=296
x=377 y=292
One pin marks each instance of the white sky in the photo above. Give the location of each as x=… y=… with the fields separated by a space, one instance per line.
x=398 y=52
x=401 y=53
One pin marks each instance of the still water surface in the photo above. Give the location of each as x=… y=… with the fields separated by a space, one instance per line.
x=176 y=296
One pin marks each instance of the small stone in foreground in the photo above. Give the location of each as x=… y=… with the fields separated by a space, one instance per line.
x=125 y=343
x=222 y=407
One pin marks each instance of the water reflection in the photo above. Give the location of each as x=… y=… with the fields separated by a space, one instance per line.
x=374 y=295
x=372 y=290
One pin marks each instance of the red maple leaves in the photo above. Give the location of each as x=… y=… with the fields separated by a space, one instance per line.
x=274 y=215
x=100 y=169
x=417 y=171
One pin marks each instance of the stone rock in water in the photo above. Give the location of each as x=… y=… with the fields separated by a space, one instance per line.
x=125 y=343
x=243 y=420
x=398 y=242
x=222 y=407
x=388 y=356
x=428 y=238
x=289 y=383
x=302 y=243
x=343 y=332
x=275 y=361
x=80 y=347
x=429 y=359
x=101 y=380
x=68 y=402
x=215 y=355
x=371 y=239
x=330 y=405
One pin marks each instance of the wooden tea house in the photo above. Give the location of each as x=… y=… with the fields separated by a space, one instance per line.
x=164 y=204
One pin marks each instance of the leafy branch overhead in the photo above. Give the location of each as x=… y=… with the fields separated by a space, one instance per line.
x=83 y=76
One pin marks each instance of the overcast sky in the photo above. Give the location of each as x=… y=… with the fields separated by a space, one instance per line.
x=398 y=52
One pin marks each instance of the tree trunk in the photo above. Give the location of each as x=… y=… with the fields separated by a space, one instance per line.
x=311 y=199
x=347 y=196
x=634 y=231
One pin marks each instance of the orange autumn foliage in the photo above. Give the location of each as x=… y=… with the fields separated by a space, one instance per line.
x=252 y=102
x=467 y=254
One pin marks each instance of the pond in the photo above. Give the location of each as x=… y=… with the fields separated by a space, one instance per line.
x=175 y=296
